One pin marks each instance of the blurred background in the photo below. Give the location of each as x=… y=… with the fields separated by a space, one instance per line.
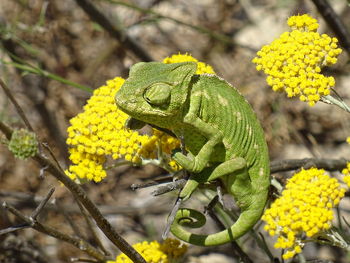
x=54 y=53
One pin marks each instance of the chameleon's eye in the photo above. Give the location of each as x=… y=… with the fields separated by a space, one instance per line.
x=158 y=94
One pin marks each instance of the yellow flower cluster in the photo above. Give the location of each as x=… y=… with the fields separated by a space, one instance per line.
x=202 y=68
x=167 y=142
x=170 y=251
x=305 y=207
x=293 y=61
x=173 y=248
x=99 y=132
x=346 y=171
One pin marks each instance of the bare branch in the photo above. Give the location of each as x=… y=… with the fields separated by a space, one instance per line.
x=294 y=164
x=92 y=230
x=15 y=103
x=169 y=187
x=334 y=23
x=80 y=194
x=115 y=32
x=77 y=242
x=13 y=228
x=275 y=167
x=40 y=207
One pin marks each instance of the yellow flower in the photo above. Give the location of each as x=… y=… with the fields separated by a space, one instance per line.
x=202 y=68
x=293 y=61
x=304 y=208
x=346 y=171
x=153 y=252
x=99 y=131
x=173 y=248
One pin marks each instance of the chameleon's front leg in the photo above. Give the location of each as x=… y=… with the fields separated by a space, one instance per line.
x=213 y=135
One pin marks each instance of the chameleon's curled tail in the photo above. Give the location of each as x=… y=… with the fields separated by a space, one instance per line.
x=186 y=217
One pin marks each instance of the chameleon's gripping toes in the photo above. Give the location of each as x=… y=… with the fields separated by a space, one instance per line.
x=221 y=132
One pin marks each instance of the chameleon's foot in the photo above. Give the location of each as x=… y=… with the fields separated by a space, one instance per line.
x=189 y=162
x=190 y=186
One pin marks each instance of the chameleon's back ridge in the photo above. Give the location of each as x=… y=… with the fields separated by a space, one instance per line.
x=221 y=132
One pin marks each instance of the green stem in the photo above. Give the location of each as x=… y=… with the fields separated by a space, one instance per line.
x=44 y=73
x=340 y=103
x=223 y=38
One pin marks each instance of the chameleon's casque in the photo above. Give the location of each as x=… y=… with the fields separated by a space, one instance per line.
x=223 y=137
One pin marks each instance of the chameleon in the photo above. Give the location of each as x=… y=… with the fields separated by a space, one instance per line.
x=222 y=135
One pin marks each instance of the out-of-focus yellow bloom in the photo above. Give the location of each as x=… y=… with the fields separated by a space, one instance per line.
x=293 y=62
x=173 y=248
x=346 y=171
x=202 y=68
x=170 y=251
x=304 y=208
x=99 y=131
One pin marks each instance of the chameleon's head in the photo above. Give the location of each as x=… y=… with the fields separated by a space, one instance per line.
x=156 y=92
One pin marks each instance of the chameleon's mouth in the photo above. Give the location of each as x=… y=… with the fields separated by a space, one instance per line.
x=133 y=108
x=126 y=105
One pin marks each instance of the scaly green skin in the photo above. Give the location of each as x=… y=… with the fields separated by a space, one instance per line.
x=221 y=132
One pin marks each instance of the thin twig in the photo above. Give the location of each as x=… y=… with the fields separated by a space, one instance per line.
x=68 y=218
x=220 y=37
x=262 y=243
x=171 y=217
x=18 y=108
x=294 y=164
x=40 y=207
x=82 y=260
x=77 y=242
x=80 y=194
x=13 y=228
x=169 y=187
x=275 y=167
x=47 y=147
x=6 y=130
x=116 y=32
x=92 y=230
x=102 y=223
x=163 y=180
x=334 y=23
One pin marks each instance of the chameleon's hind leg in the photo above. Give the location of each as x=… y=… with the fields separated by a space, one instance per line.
x=229 y=167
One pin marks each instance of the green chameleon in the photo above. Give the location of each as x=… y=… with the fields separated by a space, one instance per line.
x=221 y=133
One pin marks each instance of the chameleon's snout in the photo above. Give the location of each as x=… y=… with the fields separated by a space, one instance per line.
x=125 y=103
x=119 y=99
